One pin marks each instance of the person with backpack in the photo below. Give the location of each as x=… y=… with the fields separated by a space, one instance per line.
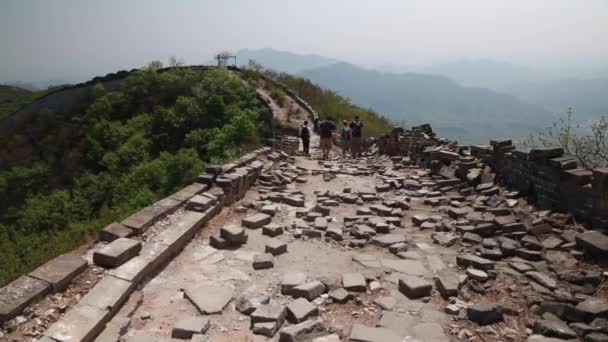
x=345 y=135
x=356 y=128
x=305 y=136
x=326 y=129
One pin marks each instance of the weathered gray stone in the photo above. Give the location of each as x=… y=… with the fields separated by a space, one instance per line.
x=340 y=296
x=188 y=192
x=182 y=231
x=269 y=313
x=116 y=252
x=249 y=302
x=302 y=332
x=596 y=337
x=20 y=293
x=310 y=290
x=328 y=338
x=209 y=299
x=108 y=294
x=300 y=310
x=82 y=322
x=542 y=279
x=388 y=239
x=447 y=284
x=200 y=203
x=362 y=333
x=291 y=280
x=411 y=267
x=152 y=255
x=564 y=311
x=476 y=274
x=234 y=234
x=320 y=223
x=185 y=328
x=386 y=302
x=265 y=328
x=593 y=243
x=276 y=247
x=60 y=271
x=272 y=230
x=484 y=314
x=541 y=338
x=256 y=221
x=467 y=260
x=414 y=287
x=114 y=231
x=553 y=328
x=594 y=307
x=263 y=261
x=143 y=219
x=354 y=282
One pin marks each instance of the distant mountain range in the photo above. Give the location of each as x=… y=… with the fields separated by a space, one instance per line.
x=469 y=100
x=468 y=114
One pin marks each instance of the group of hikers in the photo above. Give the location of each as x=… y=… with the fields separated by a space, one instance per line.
x=350 y=136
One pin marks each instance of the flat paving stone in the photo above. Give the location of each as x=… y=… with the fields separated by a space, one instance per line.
x=209 y=299
x=593 y=243
x=405 y=266
x=300 y=310
x=447 y=284
x=115 y=231
x=467 y=260
x=19 y=294
x=81 y=323
x=143 y=219
x=362 y=333
x=303 y=331
x=116 y=252
x=185 y=328
x=354 y=282
x=256 y=221
x=60 y=271
x=108 y=294
x=152 y=255
x=388 y=239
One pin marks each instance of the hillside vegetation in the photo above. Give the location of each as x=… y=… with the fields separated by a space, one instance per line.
x=329 y=104
x=12 y=98
x=69 y=173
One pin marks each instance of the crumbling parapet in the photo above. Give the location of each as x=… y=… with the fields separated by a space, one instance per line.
x=547 y=176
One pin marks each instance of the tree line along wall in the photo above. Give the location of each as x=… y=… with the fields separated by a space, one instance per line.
x=547 y=176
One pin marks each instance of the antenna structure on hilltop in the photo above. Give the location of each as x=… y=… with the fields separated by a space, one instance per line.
x=224 y=59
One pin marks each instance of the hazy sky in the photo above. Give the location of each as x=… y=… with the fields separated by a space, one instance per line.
x=78 y=39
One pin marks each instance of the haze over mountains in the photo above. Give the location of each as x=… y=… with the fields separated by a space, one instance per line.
x=472 y=101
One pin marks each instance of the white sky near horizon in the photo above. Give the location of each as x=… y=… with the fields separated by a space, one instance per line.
x=79 y=39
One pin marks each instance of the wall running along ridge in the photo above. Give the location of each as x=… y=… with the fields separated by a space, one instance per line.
x=222 y=185
x=547 y=176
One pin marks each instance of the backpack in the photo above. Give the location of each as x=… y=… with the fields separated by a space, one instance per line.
x=326 y=128
x=356 y=128
x=305 y=133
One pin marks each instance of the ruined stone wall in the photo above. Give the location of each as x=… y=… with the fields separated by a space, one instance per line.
x=545 y=175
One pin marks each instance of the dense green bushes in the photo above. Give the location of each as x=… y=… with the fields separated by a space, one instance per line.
x=126 y=150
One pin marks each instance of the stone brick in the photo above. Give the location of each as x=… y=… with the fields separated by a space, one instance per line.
x=272 y=230
x=467 y=260
x=593 y=243
x=310 y=290
x=114 y=231
x=185 y=328
x=82 y=322
x=108 y=294
x=116 y=252
x=301 y=332
x=300 y=310
x=291 y=280
x=209 y=299
x=276 y=247
x=414 y=287
x=256 y=221
x=23 y=291
x=354 y=282
x=362 y=333
x=263 y=261
x=60 y=271
x=199 y=203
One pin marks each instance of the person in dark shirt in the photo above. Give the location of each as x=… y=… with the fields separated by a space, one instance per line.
x=345 y=135
x=305 y=136
x=356 y=128
x=326 y=129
